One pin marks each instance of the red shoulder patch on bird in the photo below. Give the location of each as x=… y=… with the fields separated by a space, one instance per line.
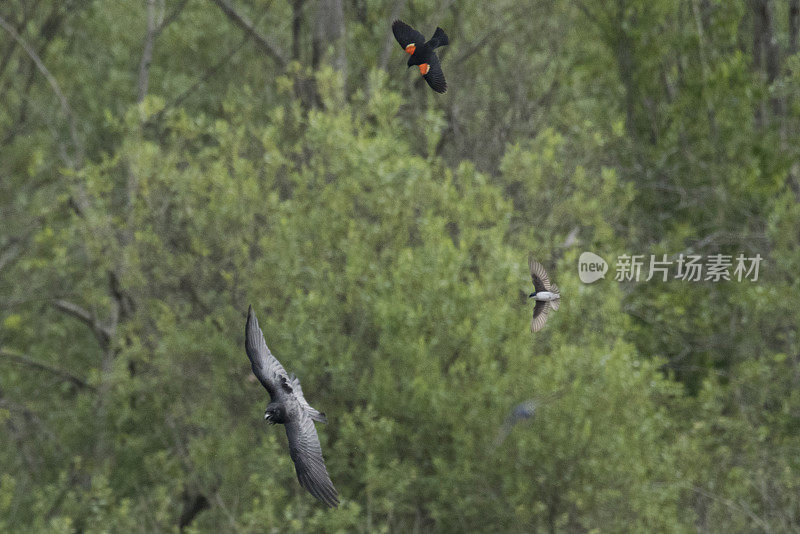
x=424 y=68
x=410 y=48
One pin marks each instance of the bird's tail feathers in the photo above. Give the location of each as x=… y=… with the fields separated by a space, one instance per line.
x=318 y=416
x=439 y=38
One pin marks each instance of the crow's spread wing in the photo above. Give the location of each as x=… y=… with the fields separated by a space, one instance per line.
x=539 y=276
x=435 y=76
x=539 y=315
x=406 y=35
x=307 y=457
x=267 y=369
x=298 y=393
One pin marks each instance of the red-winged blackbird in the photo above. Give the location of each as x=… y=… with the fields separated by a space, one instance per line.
x=422 y=52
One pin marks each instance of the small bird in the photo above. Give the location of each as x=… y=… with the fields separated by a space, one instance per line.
x=524 y=411
x=422 y=52
x=520 y=412
x=545 y=294
x=289 y=407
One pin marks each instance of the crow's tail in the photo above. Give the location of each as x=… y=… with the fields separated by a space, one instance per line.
x=317 y=416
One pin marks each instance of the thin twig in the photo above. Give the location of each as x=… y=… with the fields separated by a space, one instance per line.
x=243 y=23
x=103 y=333
x=30 y=362
x=147 y=52
x=388 y=42
x=171 y=18
x=206 y=75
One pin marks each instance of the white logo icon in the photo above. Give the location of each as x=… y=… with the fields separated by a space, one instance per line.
x=591 y=267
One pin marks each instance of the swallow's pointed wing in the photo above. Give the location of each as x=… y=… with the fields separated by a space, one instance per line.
x=539 y=276
x=435 y=76
x=539 y=315
x=554 y=289
x=267 y=369
x=406 y=35
x=307 y=457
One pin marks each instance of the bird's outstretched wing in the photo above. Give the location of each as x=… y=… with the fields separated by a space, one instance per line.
x=540 y=311
x=306 y=454
x=435 y=76
x=554 y=289
x=267 y=369
x=539 y=276
x=406 y=35
x=298 y=392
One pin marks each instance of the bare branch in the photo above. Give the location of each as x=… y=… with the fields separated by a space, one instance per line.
x=30 y=362
x=150 y=37
x=102 y=332
x=248 y=27
x=794 y=25
x=206 y=75
x=147 y=51
x=53 y=84
x=388 y=43
x=171 y=18
x=478 y=45
x=13 y=45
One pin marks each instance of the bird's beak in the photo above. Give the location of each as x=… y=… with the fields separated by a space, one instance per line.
x=531 y=295
x=266 y=416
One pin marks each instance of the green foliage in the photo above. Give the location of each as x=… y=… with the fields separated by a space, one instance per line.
x=381 y=233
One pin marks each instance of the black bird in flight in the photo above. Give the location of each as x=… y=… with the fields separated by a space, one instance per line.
x=290 y=408
x=422 y=52
x=545 y=294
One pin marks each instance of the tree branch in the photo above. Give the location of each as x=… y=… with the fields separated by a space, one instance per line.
x=102 y=333
x=248 y=27
x=13 y=45
x=171 y=18
x=206 y=75
x=147 y=52
x=30 y=362
x=388 y=43
x=53 y=84
x=794 y=24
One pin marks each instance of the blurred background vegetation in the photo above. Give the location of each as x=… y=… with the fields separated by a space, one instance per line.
x=165 y=163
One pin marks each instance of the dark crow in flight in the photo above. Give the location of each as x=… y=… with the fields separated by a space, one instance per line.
x=422 y=52
x=545 y=294
x=289 y=407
